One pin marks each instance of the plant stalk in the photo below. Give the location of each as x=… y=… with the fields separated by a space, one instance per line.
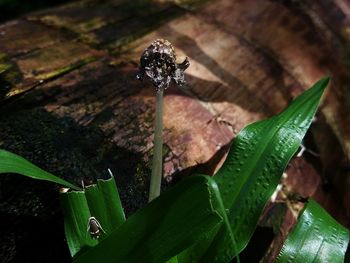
x=157 y=162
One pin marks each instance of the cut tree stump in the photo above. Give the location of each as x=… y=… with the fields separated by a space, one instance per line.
x=71 y=103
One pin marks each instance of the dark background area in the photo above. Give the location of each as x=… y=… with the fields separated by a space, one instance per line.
x=10 y=9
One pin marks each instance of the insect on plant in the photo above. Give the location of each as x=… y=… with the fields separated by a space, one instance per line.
x=94 y=228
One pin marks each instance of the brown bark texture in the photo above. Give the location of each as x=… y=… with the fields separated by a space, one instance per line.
x=71 y=103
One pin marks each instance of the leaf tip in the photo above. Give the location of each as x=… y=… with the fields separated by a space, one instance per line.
x=324 y=81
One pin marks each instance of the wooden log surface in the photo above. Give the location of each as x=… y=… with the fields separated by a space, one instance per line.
x=70 y=101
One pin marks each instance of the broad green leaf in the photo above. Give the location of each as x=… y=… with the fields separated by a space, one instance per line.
x=317 y=237
x=104 y=204
x=169 y=224
x=252 y=171
x=13 y=163
x=99 y=200
x=172 y=260
x=76 y=217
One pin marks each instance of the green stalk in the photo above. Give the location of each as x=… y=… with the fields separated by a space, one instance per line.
x=157 y=170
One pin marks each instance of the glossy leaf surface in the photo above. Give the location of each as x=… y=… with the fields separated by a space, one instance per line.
x=166 y=226
x=13 y=163
x=76 y=217
x=104 y=203
x=100 y=201
x=252 y=171
x=317 y=237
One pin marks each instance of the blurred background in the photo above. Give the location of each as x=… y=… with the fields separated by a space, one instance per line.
x=11 y=9
x=71 y=104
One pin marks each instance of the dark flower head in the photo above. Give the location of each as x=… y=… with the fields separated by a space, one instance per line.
x=158 y=62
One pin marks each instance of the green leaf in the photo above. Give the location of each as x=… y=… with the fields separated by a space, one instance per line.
x=76 y=217
x=252 y=171
x=13 y=163
x=172 y=260
x=317 y=237
x=99 y=200
x=169 y=224
x=104 y=204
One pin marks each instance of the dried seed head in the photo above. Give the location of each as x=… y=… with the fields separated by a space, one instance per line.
x=158 y=62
